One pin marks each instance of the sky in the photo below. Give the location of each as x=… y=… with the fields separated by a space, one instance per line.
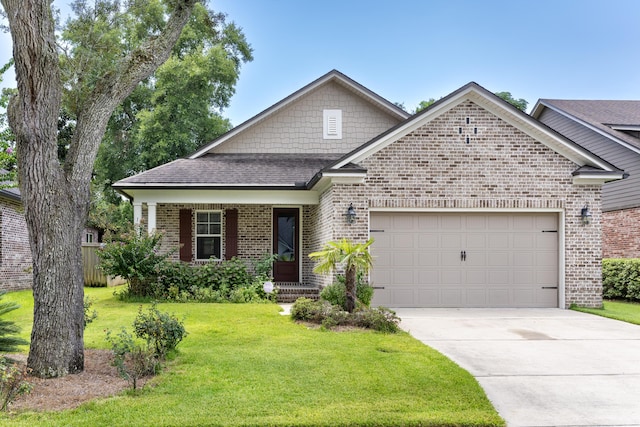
x=411 y=50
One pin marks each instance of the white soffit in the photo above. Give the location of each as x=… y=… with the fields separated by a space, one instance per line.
x=252 y=197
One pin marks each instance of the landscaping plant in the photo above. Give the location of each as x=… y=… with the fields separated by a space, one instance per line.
x=9 y=342
x=136 y=257
x=353 y=257
x=329 y=316
x=12 y=382
x=336 y=293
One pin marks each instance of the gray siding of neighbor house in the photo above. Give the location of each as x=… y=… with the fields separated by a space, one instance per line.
x=298 y=128
x=616 y=195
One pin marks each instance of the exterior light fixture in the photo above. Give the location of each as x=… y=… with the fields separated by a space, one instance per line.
x=351 y=214
x=585 y=215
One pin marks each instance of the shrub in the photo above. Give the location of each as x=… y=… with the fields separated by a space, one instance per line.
x=133 y=360
x=89 y=314
x=12 y=383
x=336 y=293
x=9 y=342
x=134 y=256
x=328 y=315
x=380 y=319
x=621 y=278
x=162 y=331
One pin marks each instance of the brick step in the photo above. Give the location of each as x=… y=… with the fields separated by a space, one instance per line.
x=288 y=293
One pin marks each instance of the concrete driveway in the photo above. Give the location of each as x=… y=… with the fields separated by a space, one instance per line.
x=541 y=367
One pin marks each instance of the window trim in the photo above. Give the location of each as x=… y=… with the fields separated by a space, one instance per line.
x=196 y=235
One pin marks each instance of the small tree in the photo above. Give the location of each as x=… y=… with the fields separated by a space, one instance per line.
x=353 y=257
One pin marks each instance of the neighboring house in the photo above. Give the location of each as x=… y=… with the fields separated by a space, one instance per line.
x=15 y=252
x=471 y=202
x=611 y=130
x=90 y=235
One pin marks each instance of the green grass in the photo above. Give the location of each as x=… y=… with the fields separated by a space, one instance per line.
x=246 y=365
x=619 y=310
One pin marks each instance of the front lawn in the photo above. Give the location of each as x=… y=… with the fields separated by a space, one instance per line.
x=246 y=365
x=619 y=310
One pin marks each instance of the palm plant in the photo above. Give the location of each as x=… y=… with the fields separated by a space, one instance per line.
x=353 y=257
x=8 y=341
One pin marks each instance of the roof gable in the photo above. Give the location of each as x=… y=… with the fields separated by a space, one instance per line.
x=333 y=77
x=492 y=103
x=607 y=117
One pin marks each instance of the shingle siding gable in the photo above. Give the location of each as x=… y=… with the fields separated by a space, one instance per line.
x=298 y=128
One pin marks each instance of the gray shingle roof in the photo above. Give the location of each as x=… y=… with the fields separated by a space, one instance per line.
x=10 y=192
x=601 y=114
x=248 y=170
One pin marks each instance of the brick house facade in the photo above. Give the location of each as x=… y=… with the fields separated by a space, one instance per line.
x=15 y=252
x=469 y=159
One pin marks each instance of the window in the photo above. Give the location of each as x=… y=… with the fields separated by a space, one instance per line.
x=208 y=235
x=89 y=237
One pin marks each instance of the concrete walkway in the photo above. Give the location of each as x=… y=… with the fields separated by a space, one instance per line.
x=541 y=367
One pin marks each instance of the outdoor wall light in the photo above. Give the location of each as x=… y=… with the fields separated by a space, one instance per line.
x=351 y=214
x=585 y=215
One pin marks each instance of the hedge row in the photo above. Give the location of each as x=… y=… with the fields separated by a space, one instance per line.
x=621 y=278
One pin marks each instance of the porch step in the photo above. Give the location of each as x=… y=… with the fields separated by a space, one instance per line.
x=289 y=292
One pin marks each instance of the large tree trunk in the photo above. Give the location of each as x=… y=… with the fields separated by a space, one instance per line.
x=56 y=197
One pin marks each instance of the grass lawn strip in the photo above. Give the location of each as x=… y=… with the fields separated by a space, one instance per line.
x=619 y=310
x=245 y=365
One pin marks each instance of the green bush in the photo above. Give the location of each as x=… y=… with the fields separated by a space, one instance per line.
x=133 y=360
x=328 y=315
x=336 y=293
x=215 y=281
x=162 y=331
x=621 y=278
x=136 y=257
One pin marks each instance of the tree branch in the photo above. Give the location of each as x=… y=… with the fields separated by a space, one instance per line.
x=114 y=87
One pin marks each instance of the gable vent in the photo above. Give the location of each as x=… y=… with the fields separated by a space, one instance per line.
x=332 y=124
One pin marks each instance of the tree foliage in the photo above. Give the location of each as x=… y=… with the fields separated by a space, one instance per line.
x=94 y=74
x=174 y=111
x=520 y=104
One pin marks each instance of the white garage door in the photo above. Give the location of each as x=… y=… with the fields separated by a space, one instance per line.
x=465 y=259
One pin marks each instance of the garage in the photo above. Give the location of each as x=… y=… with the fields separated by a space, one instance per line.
x=459 y=259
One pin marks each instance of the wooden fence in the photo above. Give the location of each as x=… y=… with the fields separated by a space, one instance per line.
x=93 y=276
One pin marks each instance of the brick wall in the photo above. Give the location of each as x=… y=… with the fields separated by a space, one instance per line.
x=298 y=127
x=621 y=233
x=15 y=252
x=500 y=168
x=254 y=227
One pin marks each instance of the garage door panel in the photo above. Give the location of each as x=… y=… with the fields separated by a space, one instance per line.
x=403 y=277
x=428 y=240
x=417 y=259
x=402 y=297
x=499 y=241
x=475 y=241
x=403 y=240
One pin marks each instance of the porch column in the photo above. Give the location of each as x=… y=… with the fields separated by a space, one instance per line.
x=137 y=213
x=151 y=213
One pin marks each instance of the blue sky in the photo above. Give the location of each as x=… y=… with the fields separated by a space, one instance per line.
x=412 y=50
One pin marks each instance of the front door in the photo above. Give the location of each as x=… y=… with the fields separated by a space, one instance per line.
x=285 y=244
